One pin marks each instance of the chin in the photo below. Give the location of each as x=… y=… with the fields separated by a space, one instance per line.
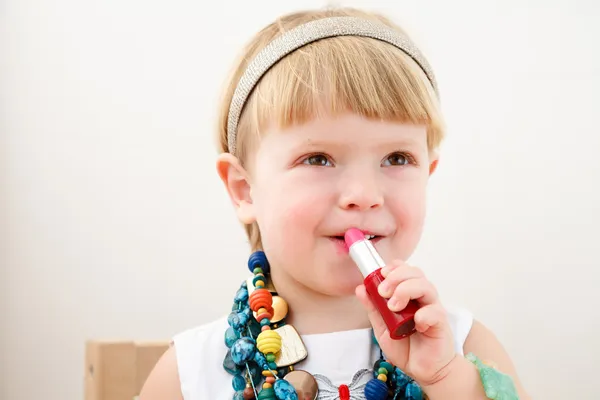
x=341 y=285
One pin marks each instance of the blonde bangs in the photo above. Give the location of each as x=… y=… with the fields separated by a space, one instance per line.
x=344 y=74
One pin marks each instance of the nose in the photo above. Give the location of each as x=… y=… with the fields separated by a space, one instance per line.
x=361 y=192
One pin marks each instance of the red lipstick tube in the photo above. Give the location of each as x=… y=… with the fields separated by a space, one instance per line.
x=401 y=324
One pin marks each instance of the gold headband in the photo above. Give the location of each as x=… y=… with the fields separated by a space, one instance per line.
x=303 y=35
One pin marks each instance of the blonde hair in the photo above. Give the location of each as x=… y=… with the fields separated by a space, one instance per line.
x=331 y=76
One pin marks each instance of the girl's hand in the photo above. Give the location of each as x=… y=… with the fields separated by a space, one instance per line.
x=427 y=354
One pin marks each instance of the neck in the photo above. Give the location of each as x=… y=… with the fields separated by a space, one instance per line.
x=311 y=312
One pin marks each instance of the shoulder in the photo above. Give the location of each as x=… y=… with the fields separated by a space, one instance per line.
x=192 y=368
x=483 y=343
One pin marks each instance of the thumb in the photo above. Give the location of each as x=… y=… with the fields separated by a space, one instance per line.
x=379 y=327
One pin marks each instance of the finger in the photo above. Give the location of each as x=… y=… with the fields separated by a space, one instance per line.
x=395 y=276
x=390 y=267
x=431 y=319
x=377 y=322
x=418 y=289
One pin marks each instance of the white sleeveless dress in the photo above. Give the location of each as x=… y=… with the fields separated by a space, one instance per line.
x=337 y=358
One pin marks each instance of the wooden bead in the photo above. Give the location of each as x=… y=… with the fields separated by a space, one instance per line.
x=268 y=341
x=248 y=394
x=261 y=298
x=382 y=377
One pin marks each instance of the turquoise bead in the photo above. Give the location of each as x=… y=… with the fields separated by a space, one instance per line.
x=239 y=395
x=389 y=367
x=241 y=295
x=413 y=392
x=239 y=319
x=400 y=379
x=243 y=350
x=267 y=394
x=273 y=366
x=284 y=390
x=231 y=336
x=229 y=365
x=238 y=382
x=259 y=278
x=265 y=322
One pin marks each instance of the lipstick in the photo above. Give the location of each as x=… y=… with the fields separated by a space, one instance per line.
x=400 y=324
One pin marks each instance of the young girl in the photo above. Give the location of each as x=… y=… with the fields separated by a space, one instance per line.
x=331 y=121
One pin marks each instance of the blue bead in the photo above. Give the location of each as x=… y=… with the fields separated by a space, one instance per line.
x=229 y=365
x=243 y=350
x=258 y=259
x=284 y=390
x=239 y=383
x=273 y=365
x=231 y=336
x=413 y=392
x=238 y=319
x=241 y=295
x=239 y=395
x=376 y=390
x=260 y=360
x=400 y=379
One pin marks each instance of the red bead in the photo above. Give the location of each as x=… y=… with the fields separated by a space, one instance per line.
x=261 y=298
x=344 y=392
x=265 y=315
x=248 y=394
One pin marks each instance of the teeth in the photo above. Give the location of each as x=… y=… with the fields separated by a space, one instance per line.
x=369 y=237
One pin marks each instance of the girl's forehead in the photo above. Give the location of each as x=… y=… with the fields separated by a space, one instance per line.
x=348 y=130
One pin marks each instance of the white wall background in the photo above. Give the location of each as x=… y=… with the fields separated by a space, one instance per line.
x=115 y=225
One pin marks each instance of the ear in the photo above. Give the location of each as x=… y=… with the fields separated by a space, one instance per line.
x=236 y=181
x=433 y=164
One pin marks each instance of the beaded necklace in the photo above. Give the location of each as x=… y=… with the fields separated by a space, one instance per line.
x=263 y=349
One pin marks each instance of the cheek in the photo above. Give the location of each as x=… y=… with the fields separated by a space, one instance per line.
x=288 y=214
x=409 y=210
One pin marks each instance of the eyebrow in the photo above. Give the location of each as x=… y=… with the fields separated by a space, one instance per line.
x=323 y=142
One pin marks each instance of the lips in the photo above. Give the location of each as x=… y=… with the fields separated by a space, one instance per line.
x=340 y=240
x=368 y=236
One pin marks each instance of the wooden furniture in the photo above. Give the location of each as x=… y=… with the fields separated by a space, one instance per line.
x=117 y=370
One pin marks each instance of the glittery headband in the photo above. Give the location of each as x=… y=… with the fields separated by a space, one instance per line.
x=303 y=35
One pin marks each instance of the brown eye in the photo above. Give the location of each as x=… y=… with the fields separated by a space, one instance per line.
x=397 y=159
x=317 y=160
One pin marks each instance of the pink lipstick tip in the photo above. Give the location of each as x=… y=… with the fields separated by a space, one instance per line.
x=352 y=236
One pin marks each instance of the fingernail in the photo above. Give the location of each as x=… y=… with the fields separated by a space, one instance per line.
x=393 y=304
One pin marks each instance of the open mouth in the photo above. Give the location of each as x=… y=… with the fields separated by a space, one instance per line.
x=373 y=238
